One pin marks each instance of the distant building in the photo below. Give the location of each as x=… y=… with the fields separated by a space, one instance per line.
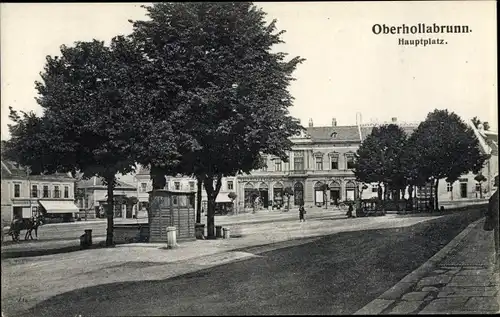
x=24 y=195
x=326 y=155
x=93 y=201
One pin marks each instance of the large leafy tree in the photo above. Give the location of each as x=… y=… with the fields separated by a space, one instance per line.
x=212 y=74
x=379 y=158
x=88 y=124
x=447 y=148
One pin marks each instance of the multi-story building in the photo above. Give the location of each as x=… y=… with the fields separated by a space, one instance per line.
x=326 y=155
x=24 y=195
x=94 y=199
x=182 y=183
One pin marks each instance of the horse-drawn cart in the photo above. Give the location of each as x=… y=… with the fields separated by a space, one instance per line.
x=28 y=224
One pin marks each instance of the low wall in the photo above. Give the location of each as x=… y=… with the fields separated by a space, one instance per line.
x=130 y=233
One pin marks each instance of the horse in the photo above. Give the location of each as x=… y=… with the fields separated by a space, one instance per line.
x=29 y=225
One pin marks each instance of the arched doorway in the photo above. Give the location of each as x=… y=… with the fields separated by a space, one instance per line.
x=278 y=195
x=350 y=190
x=335 y=195
x=264 y=195
x=248 y=189
x=318 y=194
x=298 y=194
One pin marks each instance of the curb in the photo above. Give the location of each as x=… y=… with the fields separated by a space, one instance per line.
x=383 y=301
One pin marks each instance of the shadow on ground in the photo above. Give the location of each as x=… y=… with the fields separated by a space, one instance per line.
x=336 y=274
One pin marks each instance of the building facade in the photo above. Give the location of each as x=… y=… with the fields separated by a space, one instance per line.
x=325 y=155
x=25 y=195
x=93 y=193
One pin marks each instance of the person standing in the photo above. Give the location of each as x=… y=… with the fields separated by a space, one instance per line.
x=492 y=222
x=302 y=213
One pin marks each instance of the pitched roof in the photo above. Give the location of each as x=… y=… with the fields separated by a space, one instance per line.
x=332 y=134
x=11 y=170
x=99 y=182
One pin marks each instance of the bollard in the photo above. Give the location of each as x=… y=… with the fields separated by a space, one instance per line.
x=88 y=233
x=227 y=233
x=171 y=237
x=218 y=231
x=83 y=243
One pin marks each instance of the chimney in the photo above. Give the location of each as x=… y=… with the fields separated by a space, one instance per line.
x=394 y=119
x=334 y=122
x=310 y=122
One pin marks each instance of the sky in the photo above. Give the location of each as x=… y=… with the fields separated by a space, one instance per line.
x=348 y=68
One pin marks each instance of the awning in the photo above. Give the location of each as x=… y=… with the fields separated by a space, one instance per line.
x=58 y=206
x=224 y=198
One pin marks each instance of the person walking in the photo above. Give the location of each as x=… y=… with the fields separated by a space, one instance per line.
x=302 y=213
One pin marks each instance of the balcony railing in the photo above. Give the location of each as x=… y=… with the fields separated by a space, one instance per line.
x=297 y=172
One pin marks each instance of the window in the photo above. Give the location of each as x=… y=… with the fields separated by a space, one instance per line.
x=478 y=187
x=175 y=201
x=191 y=186
x=449 y=187
x=57 y=192
x=375 y=188
x=298 y=163
x=350 y=161
x=177 y=185
x=319 y=163
x=34 y=191
x=334 y=161
x=17 y=190
x=229 y=185
x=277 y=165
x=66 y=191
x=144 y=187
x=45 y=191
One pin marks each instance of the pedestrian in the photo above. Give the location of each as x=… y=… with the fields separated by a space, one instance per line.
x=302 y=213
x=492 y=222
x=349 y=211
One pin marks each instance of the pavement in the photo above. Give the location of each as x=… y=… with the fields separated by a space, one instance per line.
x=28 y=281
x=460 y=279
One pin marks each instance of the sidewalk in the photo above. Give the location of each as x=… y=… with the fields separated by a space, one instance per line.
x=459 y=279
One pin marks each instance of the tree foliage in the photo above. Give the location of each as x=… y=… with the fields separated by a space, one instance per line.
x=379 y=158
x=88 y=124
x=211 y=68
x=446 y=147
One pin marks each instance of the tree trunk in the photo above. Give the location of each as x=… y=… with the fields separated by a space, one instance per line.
x=211 y=196
x=481 y=190
x=198 y=199
x=110 y=183
x=436 y=194
x=288 y=203
x=379 y=191
x=410 y=197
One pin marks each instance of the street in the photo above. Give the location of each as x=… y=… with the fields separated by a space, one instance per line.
x=73 y=230
x=327 y=267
